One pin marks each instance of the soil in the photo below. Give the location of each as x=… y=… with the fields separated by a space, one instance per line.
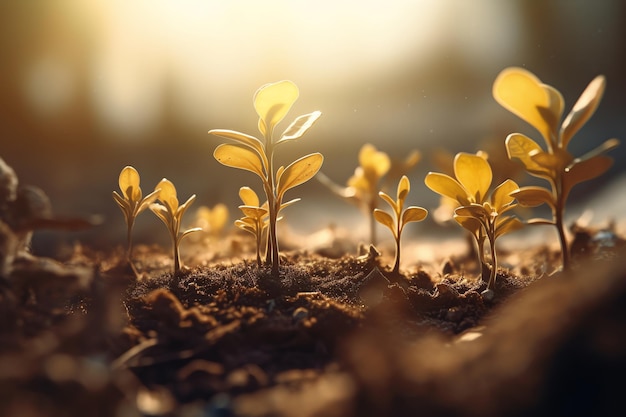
x=334 y=335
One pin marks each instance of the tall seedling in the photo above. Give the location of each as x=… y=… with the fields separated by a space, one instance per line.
x=541 y=105
x=272 y=102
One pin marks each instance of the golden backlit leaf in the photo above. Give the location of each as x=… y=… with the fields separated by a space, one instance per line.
x=168 y=194
x=389 y=200
x=533 y=196
x=552 y=114
x=161 y=212
x=249 y=197
x=447 y=186
x=476 y=211
x=273 y=101
x=288 y=203
x=129 y=183
x=500 y=197
x=242 y=224
x=298 y=172
x=522 y=93
x=470 y=224
x=538 y=221
x=183 y=207
x=583 y=109
x=522 y=147
x=299 y=126
x=385 y=219
x=188 y=232
x=254 y=212
x=552 y=162
x=237 y=156
x=414 y=214
x=374 y=161
x=474 y=174
x=404 y=186
x=507 y=225
x=584 y=171
x=241 y=138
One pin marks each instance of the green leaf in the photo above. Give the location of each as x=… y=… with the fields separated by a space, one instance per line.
x=272 y=103
x=474 y=174
x=385 y=219
x=237 y=156
x=414 y=214
x=298 y=172
x=447 y=186
x=533 y=196
x=583 y=109
x=299 y=126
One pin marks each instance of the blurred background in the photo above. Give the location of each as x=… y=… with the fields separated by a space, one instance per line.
x=87 y=87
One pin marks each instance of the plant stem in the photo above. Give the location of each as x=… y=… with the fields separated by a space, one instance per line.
x=494 y=263
x=176 y=257
x=558 y=220
x=372 y=207
x=396 y=266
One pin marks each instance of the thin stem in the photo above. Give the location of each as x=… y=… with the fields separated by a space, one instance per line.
x=396 y=266
x=494 y=261
x=558 y=220
x=372 y=207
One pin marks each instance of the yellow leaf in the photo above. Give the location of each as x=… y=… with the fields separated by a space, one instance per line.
x=414 y=214
x=523 y=94
x=583 y=109
x=298 y=172
x=500 y=197
x=522 y=147
x=506 y=225
x=404 y=186
x=385 y=219
x=373 y=162
x=474 y=173
x=183 y=207
x=476 y=211
x=248 y=197
x=241 y=157
x=533 y=196
x=389 y=200
x=288 y=203
x=447 y=186
x=129 y=183
x=584 y=171
x=168 y=194
x=299 y=126
x=470 y=224
x=253 y=212
x=242 y=138
x=272 y=103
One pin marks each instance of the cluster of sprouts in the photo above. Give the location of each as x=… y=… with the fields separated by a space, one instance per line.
x=485 y=213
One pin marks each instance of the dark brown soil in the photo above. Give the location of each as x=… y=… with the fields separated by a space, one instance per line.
x=329 y=337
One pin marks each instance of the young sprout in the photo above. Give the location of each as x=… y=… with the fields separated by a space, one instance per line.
x=131 y=202
x=541 y=105
x=171 y=213
x=271 y=102
x=212 y=220
x=400 y=216
x=476 y=212
x=254 y=220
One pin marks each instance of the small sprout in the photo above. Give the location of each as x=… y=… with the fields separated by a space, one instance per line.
x=272 y=103
x=255 y=217
x=541 y=105
x=171 y=213
x=476 y=212
x=131 y=202
x=212 y=220
x=401 y=217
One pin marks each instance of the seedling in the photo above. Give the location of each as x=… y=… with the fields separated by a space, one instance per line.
x=254 y=220
x=171 y=213
x=131 y=202
x=541 y=105
x=478 y=214
x=272 y=103
x=400 y=216
x=212 y=220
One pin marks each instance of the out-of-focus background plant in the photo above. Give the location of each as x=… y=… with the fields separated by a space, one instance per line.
x=89 y=86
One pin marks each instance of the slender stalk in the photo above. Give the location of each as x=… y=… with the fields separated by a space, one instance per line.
x=558 y=220
x=396 y=265
x=494 y=264
x=372 y=207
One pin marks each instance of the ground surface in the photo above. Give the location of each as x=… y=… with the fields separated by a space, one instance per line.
x=336 y=335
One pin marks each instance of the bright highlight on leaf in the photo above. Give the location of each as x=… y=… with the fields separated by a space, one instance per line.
x=400 y=216
x=131 y=202
x=272 y=102
x=171 y=214
x=541 y=105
